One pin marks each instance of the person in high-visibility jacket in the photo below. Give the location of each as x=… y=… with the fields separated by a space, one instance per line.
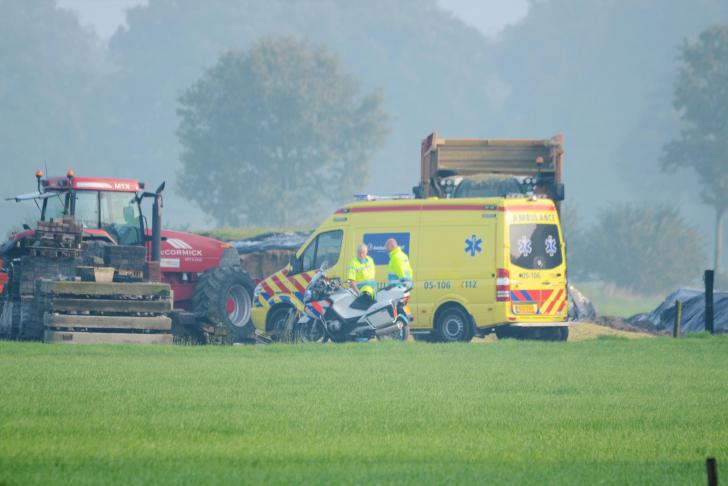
x=400 y=270
x=362 y=272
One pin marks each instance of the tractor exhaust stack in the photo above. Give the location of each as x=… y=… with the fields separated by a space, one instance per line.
x=157 y=224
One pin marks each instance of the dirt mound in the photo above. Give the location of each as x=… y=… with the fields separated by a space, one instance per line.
x=621 y=324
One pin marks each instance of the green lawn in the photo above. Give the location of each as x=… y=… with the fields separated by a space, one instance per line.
x=609 y=411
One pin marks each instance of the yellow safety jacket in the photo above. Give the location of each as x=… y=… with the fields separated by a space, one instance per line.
x=364 y=274
x=399 y=267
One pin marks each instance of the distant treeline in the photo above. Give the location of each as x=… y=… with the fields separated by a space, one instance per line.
x=602 y=73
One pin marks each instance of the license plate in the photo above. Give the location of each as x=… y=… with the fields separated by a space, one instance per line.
x=524 y=308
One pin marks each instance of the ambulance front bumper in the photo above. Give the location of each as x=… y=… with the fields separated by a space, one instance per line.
x=258 y=316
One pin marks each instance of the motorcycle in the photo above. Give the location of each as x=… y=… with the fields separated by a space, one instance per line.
x=328 y=314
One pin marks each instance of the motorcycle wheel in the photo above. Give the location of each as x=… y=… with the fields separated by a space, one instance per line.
x=311 y=332
x=401 y=335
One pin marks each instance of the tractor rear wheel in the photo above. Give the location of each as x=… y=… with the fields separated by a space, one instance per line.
x=224 y=295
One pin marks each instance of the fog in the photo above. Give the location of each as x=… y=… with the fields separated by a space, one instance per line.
x=94 y=87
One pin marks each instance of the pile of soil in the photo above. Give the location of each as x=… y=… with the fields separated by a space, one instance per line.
x=624 y=325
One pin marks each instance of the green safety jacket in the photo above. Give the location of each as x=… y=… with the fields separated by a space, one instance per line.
x=364 y=274
x=399 y=267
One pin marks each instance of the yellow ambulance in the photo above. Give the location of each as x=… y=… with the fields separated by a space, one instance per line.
x=480 y=265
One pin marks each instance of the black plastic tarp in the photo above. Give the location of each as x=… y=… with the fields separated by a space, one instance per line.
x=693 y=313
x=271 y=241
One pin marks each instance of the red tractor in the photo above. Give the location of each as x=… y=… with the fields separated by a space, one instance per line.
x=205 y=274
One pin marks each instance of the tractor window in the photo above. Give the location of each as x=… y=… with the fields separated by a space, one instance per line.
x=120 y=217
x=55 y=207
x=118 y=208
x=325 y=248
x=87 y=208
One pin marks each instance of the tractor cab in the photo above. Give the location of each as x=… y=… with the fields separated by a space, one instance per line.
x=108 y=209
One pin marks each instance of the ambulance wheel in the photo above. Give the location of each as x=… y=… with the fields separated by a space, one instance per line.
x=452 y=324
x=224 y=295
x=504 y=332
x=561 y=334
x=547 y=334
x=277 y=318
x=564 y=335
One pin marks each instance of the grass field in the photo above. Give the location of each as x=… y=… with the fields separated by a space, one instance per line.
x=607 y=411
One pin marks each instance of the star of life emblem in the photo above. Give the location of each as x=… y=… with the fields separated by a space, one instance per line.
x=524 y=246
x=551 y=246
x=472 y=245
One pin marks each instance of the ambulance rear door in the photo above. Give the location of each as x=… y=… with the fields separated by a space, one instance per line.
x=537 y=268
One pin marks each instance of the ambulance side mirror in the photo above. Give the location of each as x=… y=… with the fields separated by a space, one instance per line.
x=294 y=262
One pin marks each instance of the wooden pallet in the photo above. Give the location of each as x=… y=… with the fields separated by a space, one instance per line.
x=51 y=252
x=109 y=306
x=108 y=312
x=106 y=338
x=112 y=290
x=75 y=322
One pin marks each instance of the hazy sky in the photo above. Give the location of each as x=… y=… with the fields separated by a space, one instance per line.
x=488 y=16
x=104 y=15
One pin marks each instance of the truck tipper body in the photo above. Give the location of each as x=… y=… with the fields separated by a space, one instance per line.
x=460 y=168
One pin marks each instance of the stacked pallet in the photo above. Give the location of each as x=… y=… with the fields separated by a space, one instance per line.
x=92 y=312
x=52 y=252
x=56 y=239
x=28 y=269
x=21 y=319
x=129 y=261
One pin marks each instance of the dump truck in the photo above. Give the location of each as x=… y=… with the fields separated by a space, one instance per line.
x=463 y=168
x=87 y=218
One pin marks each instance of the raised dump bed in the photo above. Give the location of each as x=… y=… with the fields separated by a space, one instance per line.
x=92 y=312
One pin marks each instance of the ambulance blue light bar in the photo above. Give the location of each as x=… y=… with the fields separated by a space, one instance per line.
x=372 y=197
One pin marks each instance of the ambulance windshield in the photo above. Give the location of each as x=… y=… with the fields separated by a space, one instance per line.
x=535 y=246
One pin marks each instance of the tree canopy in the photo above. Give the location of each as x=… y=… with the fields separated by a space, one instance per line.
x=270 y=134
x=701 y=97
x=600 y=72
x=643 y=248
x=48 y=66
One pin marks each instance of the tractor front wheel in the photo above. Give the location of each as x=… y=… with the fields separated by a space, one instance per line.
x=224 y=295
